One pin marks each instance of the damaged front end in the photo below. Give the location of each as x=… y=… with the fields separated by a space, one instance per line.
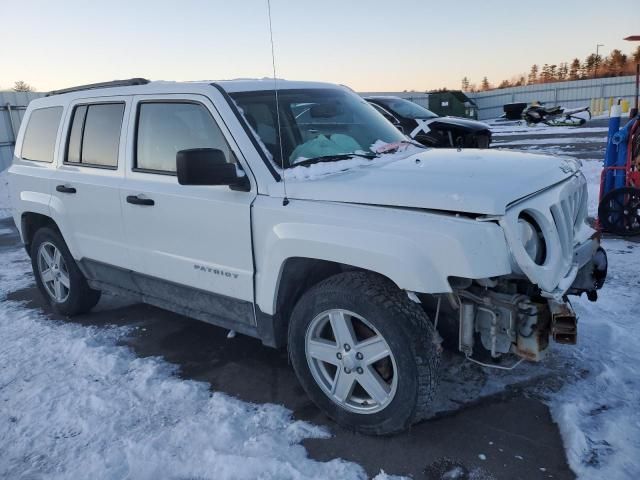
x=510 y=315
x=502 y=320
x=554 y=254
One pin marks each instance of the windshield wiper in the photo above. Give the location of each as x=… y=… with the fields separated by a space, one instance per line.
x=334 y=158
x=413 y=142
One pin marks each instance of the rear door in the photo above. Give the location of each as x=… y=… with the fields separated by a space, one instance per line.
x=86 y=185
x=198 y=237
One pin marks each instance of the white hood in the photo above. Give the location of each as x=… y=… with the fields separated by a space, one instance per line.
x=471 y=181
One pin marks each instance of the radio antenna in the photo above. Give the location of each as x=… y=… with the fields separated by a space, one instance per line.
x=285 y=200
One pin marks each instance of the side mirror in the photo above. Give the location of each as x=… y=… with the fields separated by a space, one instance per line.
x=208 y=166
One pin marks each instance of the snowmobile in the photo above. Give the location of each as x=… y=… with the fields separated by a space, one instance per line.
x=554 y=116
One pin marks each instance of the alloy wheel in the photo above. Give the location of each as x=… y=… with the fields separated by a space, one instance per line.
x=351 y=361
x=53 y=272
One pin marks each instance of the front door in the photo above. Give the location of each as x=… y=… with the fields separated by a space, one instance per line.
x=191 y=244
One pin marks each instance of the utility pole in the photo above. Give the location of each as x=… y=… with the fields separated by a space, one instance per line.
x=597 y=59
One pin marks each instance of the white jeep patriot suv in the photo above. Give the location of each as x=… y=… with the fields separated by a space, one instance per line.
x=309 y=221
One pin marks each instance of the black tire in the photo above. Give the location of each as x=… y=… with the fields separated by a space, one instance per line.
x=619 y=211
x=483 y=140
x=404 y=326
x=81 y=298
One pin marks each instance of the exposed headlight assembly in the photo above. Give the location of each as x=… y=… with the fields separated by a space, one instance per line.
x=531 y=238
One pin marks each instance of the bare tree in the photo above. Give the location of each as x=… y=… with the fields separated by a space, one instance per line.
x=21 y=86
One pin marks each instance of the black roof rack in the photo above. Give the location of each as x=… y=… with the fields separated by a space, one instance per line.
x=92 y=86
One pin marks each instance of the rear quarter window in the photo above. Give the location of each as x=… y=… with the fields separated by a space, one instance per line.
x=41 y=133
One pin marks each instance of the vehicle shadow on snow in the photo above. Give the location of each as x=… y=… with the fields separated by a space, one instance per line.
x=485 y=424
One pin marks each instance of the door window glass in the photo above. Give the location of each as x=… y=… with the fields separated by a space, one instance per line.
x=94 y=138
x=166 y=128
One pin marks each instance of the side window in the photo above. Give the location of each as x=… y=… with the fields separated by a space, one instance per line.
x=40 y=134
x=166 y=128
x=94 y=138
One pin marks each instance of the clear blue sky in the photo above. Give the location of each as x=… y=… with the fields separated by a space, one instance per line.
x=369 y=45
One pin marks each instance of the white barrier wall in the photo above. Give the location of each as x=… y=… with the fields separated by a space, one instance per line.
x=597 y=94
x=12 y=107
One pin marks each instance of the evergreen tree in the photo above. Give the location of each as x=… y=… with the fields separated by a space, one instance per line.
x=615 y=63
x=533 y=75
x=465 y=84
x=563 y=71
x=589 y=66
x=574 y=70
x=485 y=85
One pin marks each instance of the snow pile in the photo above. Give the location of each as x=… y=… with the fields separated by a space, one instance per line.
x=75 y=404
x=598 y=410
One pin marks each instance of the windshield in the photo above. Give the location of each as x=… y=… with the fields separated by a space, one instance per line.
x=315 y=123
x=406 y=108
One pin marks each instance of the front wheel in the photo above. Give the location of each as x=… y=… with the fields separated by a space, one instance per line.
x=364 y=353
x=58 y=277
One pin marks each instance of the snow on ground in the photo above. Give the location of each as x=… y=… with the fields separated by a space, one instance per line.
x=77 y=405
x=498 y=130
x=502 y=127
x=551 y=141
x=74 y=403
x=598 y=409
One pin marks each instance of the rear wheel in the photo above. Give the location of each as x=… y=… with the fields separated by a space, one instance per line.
x=363 y=352
x=58 y=277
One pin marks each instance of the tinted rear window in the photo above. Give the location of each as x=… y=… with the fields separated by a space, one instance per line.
x=40 y=134
x=101 y=139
